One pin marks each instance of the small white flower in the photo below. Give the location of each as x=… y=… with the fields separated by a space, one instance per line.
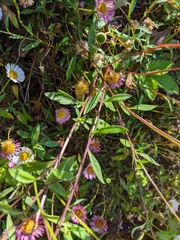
x=177 y=237
x=23 y=156
x=1 y=14
x=26 y=3
x=15 y=73
x=173 y=204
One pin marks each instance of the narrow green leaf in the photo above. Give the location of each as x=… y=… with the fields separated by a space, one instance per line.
x=16 y=36
x=148 y=158
x=6 y=208
x=61 y=97
x=71 y=67
x=21 y=176
x=35 y=166
x=50 y=144
x=21 y=117
x=5 y=114
x=13 y=19
x=92 y=102
x=6 y=192
x=35 y=134
x=125 y=142
x=118 y=97
x=23 y=134
x=143 y=107
x=111 y=130
x=10 y=227
x=60 y=175
x=59 y=189
x=96 y=167
x=31 y=45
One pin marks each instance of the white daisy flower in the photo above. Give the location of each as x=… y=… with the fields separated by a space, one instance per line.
x=177 y=237
x=173 y=204
x=15 y=73
x=23 y=156
x=1 y=14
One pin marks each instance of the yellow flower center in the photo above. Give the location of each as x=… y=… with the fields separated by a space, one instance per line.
x=95 y=144
x=8 y=147
x=23 y=156
x=113 y=77
x=28 y=227
x=79 y=213
x=90 y=170
x=13 y=74
x=99 y=223
x=170 y=204
x=61 y=113
x=102 y=8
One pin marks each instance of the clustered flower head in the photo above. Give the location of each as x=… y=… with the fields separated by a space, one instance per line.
x=80 y=212
x=115 y=79
x=94 y=146
x=16 y=155
x=15 y=73
x=105 y=9
x=81 y=88
x=89 y=172
x=148 y=23
x=82 y=48
x=29 y=229
x=99 y=224
x=26 y=3
x=62 y=115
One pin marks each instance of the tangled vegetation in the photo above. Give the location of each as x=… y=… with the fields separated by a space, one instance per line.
x=90 y=119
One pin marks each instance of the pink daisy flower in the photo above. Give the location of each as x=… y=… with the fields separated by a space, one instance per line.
x=29 y=229
x=105 y=9
x=99 y=223
x=62 y=115
x=94 y=146
x=116 y=79
x=89 y=172
x=10 y=148
x=80 y=212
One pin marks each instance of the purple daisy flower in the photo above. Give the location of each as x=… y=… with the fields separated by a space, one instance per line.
x=99 y=223
x=29 y=229
x=80 y=212
x=105 y=9
x=89 y=172
x=10 y=148
x=94 y=146
x=116 y=79
x=62 y=115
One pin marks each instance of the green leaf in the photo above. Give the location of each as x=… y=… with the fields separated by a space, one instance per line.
x=149 y=83
x=61 y=97
x=125 y=142
x=21 y=176
x=93 y=101
x=79 y=231
x=48 y=114
x=6 y=192
x=31 y=45
x=96 y=167
x=59 y=189
x=23 y=134
x=159 y=65
x=35 y=134
x=6 y=208
x=13 y=19
x=16 y=36
x=143 y=107
x=35 y=166
x=109 y=104
x=111 y=130
x=167 y=83
x=71 y=67
x=139 y=229
x=20 y=116
x=118 y=97
x=5 y=114
x=50 y=144
x=131 y=8
x=91 y=40
x=56 y=174
x=27 y=11
x=10 y=227
x=148 y=158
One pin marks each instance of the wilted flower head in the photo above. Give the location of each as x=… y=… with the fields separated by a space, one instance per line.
x=128 y=45
x=173 y=204
x=29 y=229
x=15 y=73
x=62 y=115
x=9 y=148
x=89 y=172
x=98 y=59
x=148 y=23
x=115 y=79
x=26 y=3
x=82 y=48
x=177 y=237
x=81 y=88
x=80 y=212
x=94 y=146
x=23 y=156
x=99 y=223
x=105 y=9
x=134 y=23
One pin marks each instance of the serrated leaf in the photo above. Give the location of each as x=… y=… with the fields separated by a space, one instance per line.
x=159 y=65
x=167 y=83
x=31 y=45
x=61 y=97
x=148 y=158
x=118 y=97
x=5 y=114
x=143 y=107
x=96 y=167
x=150 y=83
x=71 y=66
x=110 y=130
x=21 y=176
x=6 y=208
x=92 y=102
